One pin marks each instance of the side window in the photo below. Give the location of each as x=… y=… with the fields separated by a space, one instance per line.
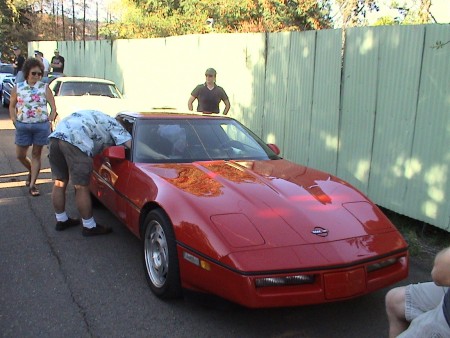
x=55 y=88
x=160 y=141
x=128 y=123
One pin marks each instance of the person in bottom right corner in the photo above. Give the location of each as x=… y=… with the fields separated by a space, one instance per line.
x=422 y=309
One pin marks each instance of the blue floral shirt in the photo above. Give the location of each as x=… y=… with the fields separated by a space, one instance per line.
x=91 y=131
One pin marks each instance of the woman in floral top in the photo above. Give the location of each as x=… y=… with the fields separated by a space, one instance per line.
x=29 y=113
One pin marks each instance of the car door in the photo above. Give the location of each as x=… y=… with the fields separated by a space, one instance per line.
x=113 y=184
x=111 y=174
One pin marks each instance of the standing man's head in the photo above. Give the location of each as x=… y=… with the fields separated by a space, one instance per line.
x=38 y=55
x=16 y=50
x=56 y=52
x=210 y=74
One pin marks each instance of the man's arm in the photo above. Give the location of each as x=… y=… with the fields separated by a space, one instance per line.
x=51 y=100
x=12 y=105
x=146 y=150
x=227 y=106
x=127 y=144
x=190 y=101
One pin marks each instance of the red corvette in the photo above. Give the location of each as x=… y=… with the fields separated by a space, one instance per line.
x=219 y=211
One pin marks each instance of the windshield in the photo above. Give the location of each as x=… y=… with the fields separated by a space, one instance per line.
x=88 y=88
x=7 y=69
x=190 y=140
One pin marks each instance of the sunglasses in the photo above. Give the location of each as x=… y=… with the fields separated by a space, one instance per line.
x=209 y=75
x=36 y=73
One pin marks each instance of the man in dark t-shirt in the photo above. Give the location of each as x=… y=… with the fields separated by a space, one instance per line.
x=57 y=63
x=209 y=95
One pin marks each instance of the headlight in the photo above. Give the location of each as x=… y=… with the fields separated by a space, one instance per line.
x=381 y=265
x=282 y=281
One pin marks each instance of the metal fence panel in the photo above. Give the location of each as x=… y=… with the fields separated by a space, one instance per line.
x=324 y=135
x=250 y=102
x=276 y=87
x=300 y=83
x=400 y=57
x=375 y=113
x=358 y=102
x=428 y=183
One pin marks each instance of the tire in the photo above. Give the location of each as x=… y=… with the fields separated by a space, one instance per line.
x=160 y=256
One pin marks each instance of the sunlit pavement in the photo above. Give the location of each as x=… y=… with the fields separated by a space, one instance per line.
x=17 y=179
x=5 y=121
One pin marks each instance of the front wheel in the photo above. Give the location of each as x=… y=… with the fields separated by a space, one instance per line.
x=160 y=256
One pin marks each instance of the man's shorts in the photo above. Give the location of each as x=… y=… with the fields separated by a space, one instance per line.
x=28 y=134
x=423 y=309
x=66 y=161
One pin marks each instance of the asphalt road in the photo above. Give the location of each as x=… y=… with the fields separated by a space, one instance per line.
x=60 y=284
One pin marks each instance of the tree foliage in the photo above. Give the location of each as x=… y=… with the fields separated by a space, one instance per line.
x=26 y=20
x=15 y=26
x=354 y=12
x=33 y=20
x=156 y=18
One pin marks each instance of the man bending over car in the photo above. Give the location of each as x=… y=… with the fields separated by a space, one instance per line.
x=75 y=141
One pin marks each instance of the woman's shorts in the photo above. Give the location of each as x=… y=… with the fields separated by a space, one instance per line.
x=28 y=134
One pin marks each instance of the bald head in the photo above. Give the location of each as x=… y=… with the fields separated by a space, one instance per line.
x=441 y=268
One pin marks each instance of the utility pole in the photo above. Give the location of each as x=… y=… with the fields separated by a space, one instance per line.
x=84 y=20
x=73 y=20
x=63 y=22
x=96 y=21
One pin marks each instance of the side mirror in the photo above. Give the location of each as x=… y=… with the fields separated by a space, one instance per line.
x=115 y=153
x=274 y=148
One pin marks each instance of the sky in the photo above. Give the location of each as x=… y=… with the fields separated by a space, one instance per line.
x=440 y=9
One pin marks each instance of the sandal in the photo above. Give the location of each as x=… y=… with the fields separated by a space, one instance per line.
x=34 y=191
x=28 y=181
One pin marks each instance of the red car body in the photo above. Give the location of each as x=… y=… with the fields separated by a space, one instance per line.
x=258 y=232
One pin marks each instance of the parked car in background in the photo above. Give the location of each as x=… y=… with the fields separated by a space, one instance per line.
x=9 y=82
x=7 y=85
x=51 y=76
x=79 y=93
x=219 y=211
x=6 y=70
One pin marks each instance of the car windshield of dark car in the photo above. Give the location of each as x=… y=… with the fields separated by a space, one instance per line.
x=7 y=69
x=190 y=140
x=88 y=88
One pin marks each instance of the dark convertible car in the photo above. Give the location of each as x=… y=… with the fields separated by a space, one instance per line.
x=7 y=85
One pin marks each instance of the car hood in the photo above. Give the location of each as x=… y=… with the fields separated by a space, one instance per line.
x=5 y=75
x=108 y=105
x=273 y=203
